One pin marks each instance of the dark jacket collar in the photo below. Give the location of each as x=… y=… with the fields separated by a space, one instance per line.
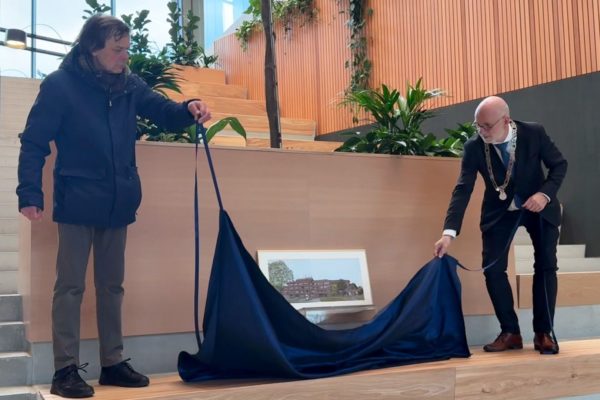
x=77 y=63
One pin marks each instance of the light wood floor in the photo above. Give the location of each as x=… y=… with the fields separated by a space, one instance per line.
x=519 y=374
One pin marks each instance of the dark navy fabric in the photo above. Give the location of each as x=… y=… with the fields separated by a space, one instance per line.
x=252 y=331
x=96 y=182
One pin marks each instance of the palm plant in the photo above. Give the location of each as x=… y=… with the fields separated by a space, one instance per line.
x=397 y=120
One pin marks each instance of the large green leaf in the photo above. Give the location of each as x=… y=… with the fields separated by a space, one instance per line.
x=397 y=122
x=221 y=124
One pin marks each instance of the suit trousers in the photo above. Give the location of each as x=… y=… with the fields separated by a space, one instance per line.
x=74 y=244
x=544 y=237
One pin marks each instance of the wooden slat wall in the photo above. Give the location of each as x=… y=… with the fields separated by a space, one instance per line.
x=469 y=48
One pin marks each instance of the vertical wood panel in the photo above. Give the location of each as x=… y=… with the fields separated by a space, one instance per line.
x=594 y=9
x=469 y=48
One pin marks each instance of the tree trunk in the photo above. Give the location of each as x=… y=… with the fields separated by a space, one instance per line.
x=271 y=75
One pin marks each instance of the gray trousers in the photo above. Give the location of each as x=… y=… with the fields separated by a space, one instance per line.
x=74 y=244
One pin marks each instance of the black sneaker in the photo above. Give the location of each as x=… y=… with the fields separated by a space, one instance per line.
x=122 y=374
x=66 y=382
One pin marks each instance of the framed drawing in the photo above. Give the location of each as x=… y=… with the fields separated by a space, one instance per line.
x=318 y=278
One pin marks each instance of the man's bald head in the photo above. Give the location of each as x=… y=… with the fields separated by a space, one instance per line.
x=492 y=106
x=492 y=118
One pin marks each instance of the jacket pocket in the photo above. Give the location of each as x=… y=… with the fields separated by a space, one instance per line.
x=129 y=194
x=84 y=195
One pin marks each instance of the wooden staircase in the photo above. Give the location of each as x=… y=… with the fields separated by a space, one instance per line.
x=578 y=275
x=232 y=101
x=16 y=363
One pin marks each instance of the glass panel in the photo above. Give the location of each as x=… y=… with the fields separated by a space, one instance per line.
x=15 y=62
x=57 y=19
x=45 y=63
x=219 y=15
x=14 y=14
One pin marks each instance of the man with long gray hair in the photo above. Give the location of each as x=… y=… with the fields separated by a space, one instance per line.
x=88 y=107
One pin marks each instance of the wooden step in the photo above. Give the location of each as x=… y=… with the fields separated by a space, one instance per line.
x=11 y=308
x=192 y=90
x=229 y=105
x=521 y=237
x=228 y=141
x=525 y=251
x=8 y=184
x=304 y=145
x=9 y=283
x=9 y=150
x=574 y=289
x=301 y=145
x=8 y=171
x=10 y=161
x=516 y=375
x=18 y=393
x=10 y=224
x=8 y=210
x=301 y=129
x=12 y=337
x=9 y=260
x=9 y=242
x=8 y=195
x=570 y=264
x=196 y=74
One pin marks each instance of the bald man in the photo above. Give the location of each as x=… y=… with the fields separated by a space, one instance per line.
x=509 y=156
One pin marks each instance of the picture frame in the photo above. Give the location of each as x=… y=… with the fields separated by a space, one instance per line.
x=311 y=279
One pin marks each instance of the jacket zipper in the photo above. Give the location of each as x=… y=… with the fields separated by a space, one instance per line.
x=112 y=150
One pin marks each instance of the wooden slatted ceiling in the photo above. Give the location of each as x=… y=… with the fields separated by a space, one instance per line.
x=469 y=48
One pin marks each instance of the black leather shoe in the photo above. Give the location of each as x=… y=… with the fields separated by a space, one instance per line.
x=122 y=374
x=66 y=382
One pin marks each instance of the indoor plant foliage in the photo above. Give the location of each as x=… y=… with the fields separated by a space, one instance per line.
x=284 y=11
x=156 y=70
x=359 y=64
x=452 y=146
x=183 y=48
x=95 y=8
x=189 y=134
x=397 y=122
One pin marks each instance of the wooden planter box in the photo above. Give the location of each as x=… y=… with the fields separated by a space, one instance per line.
x=392 y=206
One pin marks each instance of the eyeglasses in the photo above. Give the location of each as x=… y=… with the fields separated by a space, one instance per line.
x=487 y=127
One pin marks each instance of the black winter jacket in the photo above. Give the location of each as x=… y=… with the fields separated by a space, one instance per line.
x=95 y=176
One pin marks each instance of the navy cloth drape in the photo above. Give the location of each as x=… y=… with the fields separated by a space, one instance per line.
x=250 y=330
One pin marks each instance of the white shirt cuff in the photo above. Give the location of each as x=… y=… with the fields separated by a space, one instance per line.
x=449 y=232
x=546 y=196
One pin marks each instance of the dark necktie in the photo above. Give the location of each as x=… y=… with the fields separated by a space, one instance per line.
x=505 y=155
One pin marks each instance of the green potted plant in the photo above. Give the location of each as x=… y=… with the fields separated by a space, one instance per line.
x=397 y=120
x=183 y=49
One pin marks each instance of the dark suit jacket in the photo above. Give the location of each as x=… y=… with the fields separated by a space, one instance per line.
x=534 y=147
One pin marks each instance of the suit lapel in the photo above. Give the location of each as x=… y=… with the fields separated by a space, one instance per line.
x=521 y=152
